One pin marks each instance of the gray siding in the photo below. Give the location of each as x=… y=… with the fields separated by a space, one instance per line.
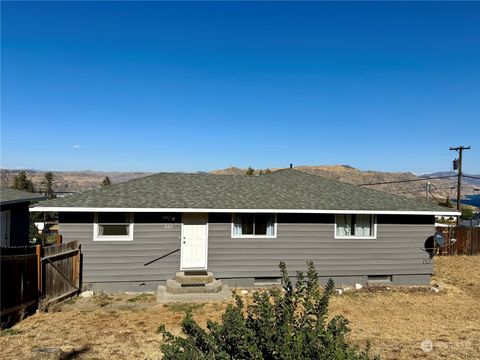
x=123 y=261
x=397 y=250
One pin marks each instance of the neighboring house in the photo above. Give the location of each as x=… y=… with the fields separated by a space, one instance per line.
x=474 y=222
x=136 y=235
x=15 y=217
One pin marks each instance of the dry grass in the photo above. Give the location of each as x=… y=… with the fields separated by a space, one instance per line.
x=395 y=321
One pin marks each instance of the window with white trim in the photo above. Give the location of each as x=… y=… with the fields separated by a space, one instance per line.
x=113 y=227
x=355 y=226
x=254 y=225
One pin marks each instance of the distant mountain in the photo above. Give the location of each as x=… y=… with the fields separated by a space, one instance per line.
x=440 y=189
x=74 y=181
x=465 y=180
x=230 y=171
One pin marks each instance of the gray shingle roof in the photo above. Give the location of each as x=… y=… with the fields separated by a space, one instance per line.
x=10 y=196
x=284 y=189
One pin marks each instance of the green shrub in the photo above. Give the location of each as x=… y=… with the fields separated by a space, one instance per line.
x=287 y=323
x=467 y=213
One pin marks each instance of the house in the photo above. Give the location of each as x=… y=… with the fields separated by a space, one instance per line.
x=136 y=235
x=473 y=222
x=15 y=217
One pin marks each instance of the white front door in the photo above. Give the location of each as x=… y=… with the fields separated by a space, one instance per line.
x=194 y=242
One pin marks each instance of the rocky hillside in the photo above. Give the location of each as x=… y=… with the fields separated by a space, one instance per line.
x=440 y=189
x=75 y=181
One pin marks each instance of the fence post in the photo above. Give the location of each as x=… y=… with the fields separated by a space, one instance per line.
x=38 y=252
x=74 y=269
x=78 y=267
x=58 y=239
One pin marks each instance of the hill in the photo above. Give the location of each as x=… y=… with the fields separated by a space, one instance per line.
x=440 y=189
x=74 y=181
x=469 y=182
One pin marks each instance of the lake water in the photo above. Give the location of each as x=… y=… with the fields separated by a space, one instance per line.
x=473 y=200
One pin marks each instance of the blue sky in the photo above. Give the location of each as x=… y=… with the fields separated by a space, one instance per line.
x=159 y=86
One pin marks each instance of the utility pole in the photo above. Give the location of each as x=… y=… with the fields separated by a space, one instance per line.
x=427 y=189
x=459 y=183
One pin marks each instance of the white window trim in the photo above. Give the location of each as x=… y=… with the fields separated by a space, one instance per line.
x=374 y=236
x=274 y=236
x=128 y=237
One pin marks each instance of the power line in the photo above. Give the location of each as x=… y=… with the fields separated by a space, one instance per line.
x=428 y=186
x=410 y=191
x=420 y=190
x=471 y=177
x=411 y=180
x=419 y=179
x=406 y=191
x=446 y=188
x=433 y=196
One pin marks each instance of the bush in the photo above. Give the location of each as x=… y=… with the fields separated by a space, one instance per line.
x=288 y=323
x=467 y=213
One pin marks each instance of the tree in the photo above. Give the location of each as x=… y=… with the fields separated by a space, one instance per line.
x=467 y=213
x=250 y=171
x=5 y=178
x=33 y=233
x=48 y=181
x=106 y=181
x=279 y=324
x=21 y=182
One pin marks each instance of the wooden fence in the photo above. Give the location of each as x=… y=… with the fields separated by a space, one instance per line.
x=467 y=241
x=60 y=271
x=33 y=274
x=19 y=279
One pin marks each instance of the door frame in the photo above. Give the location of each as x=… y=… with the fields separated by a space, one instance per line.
x=206 y=243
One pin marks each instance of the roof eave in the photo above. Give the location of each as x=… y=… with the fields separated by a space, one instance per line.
x=279 y=211
x=18 y=201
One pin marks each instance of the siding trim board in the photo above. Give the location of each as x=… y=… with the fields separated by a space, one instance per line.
x=397 y=251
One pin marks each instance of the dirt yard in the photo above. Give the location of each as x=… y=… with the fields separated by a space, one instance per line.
x=395 y=321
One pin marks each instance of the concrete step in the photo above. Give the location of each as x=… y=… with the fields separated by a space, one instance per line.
x=174 y=287
x=165 y=297
x=199 y=277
